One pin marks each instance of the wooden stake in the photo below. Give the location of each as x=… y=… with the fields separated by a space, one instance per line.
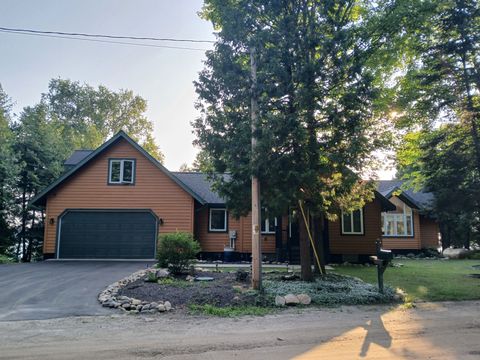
x=256 y=209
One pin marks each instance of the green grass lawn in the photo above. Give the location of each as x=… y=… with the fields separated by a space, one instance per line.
x=430 y=280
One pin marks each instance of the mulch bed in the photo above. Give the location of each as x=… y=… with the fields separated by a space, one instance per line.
x=219 y=292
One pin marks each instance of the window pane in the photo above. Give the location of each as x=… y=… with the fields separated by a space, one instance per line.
x=357 y=221
x=115 y=171
x=390 y=223
x=128 y=171
x=217 y=219
x=347 y=225
x=400 y=226
x=262 y=225
x=271 y=225
x=383 y=224
x=409 y=226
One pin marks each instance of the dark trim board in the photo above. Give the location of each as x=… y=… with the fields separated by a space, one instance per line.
x=69 y=211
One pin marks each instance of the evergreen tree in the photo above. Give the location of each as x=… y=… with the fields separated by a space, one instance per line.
x=40 y=151
x=8 y=172
x=319 y=120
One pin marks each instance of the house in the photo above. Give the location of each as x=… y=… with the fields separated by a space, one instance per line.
x=113 y=202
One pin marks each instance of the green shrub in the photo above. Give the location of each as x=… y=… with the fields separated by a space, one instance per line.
x=5 y=259
x=177 y=251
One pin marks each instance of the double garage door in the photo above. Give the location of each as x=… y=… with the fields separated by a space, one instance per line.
x=125 y=234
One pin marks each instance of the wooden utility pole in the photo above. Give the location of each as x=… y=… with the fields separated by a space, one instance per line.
x=256 y=209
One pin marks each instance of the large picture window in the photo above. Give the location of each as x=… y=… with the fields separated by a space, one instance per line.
x=218 y=220
x=352 y=222
x=398 y=224
x=121 y=171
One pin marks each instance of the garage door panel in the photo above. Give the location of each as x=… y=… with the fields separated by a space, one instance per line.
x=107 y=235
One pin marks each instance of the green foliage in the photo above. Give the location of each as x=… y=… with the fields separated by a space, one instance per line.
x=319 y=114
x=8 y=172
x=177 y=251
x=427 y=280
x=229 y=311
x=5 y=259
x=439 y=92
x=87 y=116
x=442 y=161
x=333 y=290
x=151 y=277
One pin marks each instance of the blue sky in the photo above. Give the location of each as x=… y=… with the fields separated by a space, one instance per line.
x=162 y=76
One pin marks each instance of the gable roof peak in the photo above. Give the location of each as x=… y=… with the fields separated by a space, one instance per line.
x=40 y=199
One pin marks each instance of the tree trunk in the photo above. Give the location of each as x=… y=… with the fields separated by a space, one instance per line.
x=31 y=239
x=24 y=226
x=256 y=209
x=305 y=258
x=319 y=241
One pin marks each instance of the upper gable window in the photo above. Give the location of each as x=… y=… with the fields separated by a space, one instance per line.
x=398 y=223
x=121 y=171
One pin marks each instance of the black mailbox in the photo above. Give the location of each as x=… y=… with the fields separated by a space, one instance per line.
x=385 y=254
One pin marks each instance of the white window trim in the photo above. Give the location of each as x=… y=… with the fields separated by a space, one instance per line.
x=267 y=223
x=351 y=225
x=121 y=181
x=404 y=214
x=210 y=220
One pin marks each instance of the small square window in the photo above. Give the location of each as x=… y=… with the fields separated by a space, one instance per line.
x=121 y=171
x=218 y=220
x=352 y=222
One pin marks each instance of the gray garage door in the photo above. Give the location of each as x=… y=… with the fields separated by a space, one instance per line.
x=107 y=235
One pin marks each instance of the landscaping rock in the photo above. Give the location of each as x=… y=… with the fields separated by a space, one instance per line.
x=279 y=301
x=190 y=278
x=291 y=299
x=136 y=302
x=456 y=253
x=304 y=299
x=163 y=273
x=161 y=308
x=167 y=305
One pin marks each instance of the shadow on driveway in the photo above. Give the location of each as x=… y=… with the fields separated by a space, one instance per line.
x=54 y=289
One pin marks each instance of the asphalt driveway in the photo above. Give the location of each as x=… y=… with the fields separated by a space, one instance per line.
x=54 y=289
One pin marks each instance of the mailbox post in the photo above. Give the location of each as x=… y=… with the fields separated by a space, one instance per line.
x=382 y=260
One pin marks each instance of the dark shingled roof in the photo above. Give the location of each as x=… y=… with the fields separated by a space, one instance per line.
x=200 y=184
x=77 y=156
x=420 y=198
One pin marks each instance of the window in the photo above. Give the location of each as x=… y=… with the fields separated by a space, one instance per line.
x=267 y=223
x=398 y=224
x=121 y=171
x=352 y=222
x=218 y=220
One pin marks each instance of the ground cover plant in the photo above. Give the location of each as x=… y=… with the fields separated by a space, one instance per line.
x=429 y=280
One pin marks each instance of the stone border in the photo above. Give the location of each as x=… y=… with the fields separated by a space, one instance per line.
x=108 y=297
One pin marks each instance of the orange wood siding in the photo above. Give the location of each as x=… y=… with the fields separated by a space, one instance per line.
x=357 y=244
x=430 y=233
x=215 y=241
x=88 y=189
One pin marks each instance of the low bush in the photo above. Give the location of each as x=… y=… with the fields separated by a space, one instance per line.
x=5 y=259
x=177 y=251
